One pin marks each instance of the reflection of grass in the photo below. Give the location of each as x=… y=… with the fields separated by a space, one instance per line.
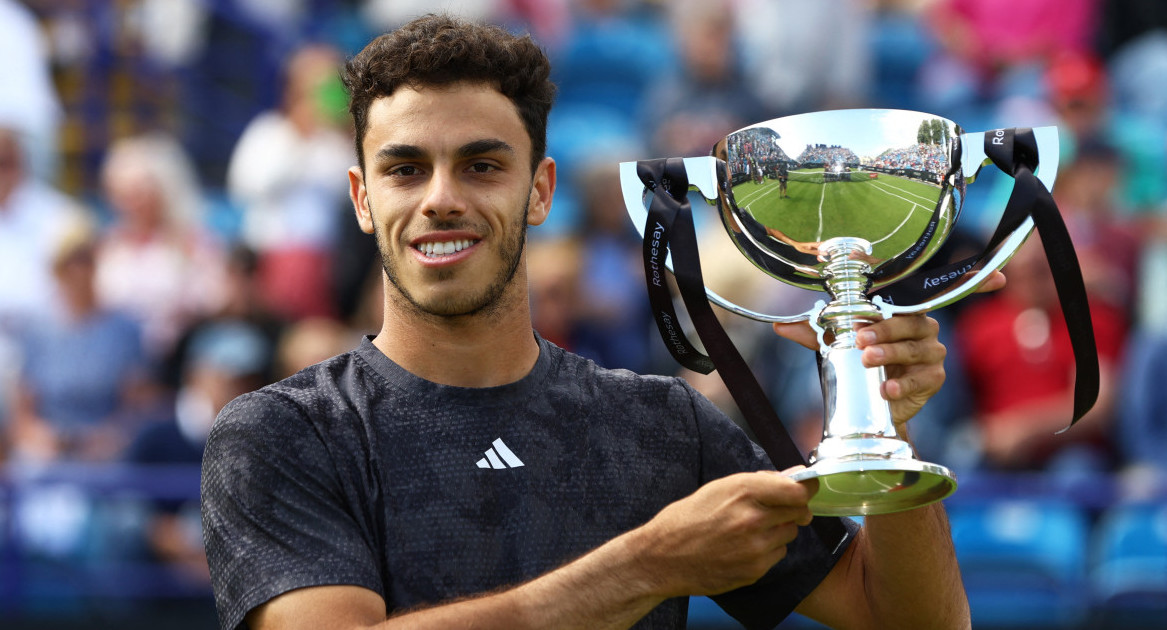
x=889 y=211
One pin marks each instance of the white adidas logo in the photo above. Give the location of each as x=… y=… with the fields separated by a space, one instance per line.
x=499 y=457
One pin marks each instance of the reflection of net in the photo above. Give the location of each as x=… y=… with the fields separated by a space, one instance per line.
x=806 y=178
x=818 y=177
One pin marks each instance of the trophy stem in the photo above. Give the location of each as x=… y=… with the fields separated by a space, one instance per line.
x=845 y=278
x=862 y=466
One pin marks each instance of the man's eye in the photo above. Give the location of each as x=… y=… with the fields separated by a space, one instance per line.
x=404 y=170
x=482 y=167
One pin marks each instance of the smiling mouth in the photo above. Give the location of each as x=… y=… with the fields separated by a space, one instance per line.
x=443 y=248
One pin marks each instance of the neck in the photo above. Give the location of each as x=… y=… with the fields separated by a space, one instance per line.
x=480 y=350
x=79 y=304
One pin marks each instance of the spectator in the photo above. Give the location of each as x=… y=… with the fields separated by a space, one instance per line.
x=1017 y=355
x=283 y=174
x=157 y=261
x=225 y=360
x=573 y=304
x=1080 y=94
x=710 y=96
x=82 y=368
x=1106 y=242
x=612 y=298
x=28 y=102
x=241 y=304
x=310 y=341
x=790 y=62
x=33 y=217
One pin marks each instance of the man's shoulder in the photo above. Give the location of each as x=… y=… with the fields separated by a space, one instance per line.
x=614 y=388
x=302 y=423
x=311 y=393
x=593 y=375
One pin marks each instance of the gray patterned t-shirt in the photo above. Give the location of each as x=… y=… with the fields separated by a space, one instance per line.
x=357 y=472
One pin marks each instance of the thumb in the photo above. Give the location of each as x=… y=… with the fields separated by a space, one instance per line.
x=798 y=332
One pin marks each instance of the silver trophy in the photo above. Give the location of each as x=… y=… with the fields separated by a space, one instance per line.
x=845 y=202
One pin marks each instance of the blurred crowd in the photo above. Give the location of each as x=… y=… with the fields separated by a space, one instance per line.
x=175 y=228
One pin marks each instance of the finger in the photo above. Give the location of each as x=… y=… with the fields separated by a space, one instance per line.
x=995 y=282
x=792 y=516
x=898 y=328
x=799 y=332
x=782 y=534
x=778 y=491
x=811 y=485
x=906 y=353
x=924 y=381
x=773 y=556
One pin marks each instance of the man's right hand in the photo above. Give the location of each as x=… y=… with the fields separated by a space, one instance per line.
x=725 y=535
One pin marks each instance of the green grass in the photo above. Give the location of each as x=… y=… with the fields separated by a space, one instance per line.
x=889 y=211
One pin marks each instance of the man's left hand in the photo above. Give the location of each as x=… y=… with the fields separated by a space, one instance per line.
x=906 y=346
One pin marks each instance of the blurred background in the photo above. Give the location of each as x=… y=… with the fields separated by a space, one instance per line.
x=175 y=230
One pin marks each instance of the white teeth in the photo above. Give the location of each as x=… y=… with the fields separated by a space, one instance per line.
x=433 y=250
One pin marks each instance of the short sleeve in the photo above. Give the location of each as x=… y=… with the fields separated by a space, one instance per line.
x=725 y=450
x=276 y=515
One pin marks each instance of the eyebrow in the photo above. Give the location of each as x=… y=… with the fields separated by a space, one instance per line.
x=399 y=151
x=479 y=147
x=470 y=149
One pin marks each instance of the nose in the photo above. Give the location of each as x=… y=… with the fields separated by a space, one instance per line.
x=445 y=198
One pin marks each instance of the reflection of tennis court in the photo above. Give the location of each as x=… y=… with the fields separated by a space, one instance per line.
x=889 y=211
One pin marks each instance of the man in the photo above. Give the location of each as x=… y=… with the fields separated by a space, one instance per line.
x=783 y=175
x=458 y=471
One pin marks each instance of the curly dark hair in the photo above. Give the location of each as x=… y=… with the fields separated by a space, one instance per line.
x=436 y=50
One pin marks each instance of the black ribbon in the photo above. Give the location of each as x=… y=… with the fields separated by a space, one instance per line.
x=670 y=226
x=1014 y=151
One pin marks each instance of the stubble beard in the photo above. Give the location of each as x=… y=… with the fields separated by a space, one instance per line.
x=486 y=302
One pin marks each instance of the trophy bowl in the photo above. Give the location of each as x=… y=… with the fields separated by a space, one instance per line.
x=850 y=204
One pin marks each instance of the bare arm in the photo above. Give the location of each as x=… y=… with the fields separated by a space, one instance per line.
x=901 y=570
x=725 y=535
x=599 y=590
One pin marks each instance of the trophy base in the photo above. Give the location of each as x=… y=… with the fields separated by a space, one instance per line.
x=860 y=487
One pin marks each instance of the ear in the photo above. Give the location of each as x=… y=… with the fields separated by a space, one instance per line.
x=360 y=197
x=542 y=190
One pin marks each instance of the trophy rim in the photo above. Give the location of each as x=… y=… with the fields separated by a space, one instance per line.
x=932 y=483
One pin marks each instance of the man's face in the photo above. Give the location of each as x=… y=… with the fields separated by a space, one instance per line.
x=448 y=192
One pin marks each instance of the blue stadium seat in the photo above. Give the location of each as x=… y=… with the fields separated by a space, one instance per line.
x=1023 y=562
x=1129 y=572
x=705 y=614
x=900 y=44
x=611 y=63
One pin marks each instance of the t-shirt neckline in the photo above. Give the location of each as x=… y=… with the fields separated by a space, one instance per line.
x=405 y=381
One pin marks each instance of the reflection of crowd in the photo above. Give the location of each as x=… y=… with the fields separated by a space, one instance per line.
x=171 y=277
x=919 y=157
x=827 y=155
x=755 y=151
